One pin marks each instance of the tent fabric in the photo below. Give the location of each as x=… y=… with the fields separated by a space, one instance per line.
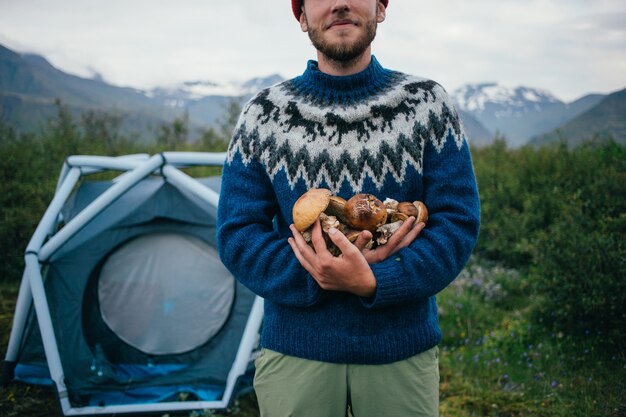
x=141 y=306
x=151 y=284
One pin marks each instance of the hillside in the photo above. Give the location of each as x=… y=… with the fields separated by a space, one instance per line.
x=604 y=120
x=477 y=133
x=518 y=113
x=30 y=86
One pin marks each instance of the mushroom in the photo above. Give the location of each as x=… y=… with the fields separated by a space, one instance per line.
x=422 y=212
x=365 y=212
x=336 y=207
x=351 y=217
x=309 y=207
x=328 y=222
x=391 y=204
x=385 y=231
x=407 y=208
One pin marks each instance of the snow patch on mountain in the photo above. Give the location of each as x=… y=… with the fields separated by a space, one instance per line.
x=180 y=95
x=475 y=98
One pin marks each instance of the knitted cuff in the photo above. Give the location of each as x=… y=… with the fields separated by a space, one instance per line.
x=391 y=284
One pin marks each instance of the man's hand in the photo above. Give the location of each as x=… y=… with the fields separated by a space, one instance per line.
x=349 y=271
x=400 y=239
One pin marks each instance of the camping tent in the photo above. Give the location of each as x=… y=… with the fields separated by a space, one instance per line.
x=124 y=305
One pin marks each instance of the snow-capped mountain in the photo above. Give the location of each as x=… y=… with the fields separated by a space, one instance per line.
x=518 y=113
x=512 y=101
x=185 y=93
x=255 y=85
x=31 y=87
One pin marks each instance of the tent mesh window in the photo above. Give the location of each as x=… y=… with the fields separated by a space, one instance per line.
x=152 y=289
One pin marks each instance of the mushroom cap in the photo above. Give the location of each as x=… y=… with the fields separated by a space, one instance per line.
x=365 y=212
x=407 y=208
x=309 y=207
x=422 y=212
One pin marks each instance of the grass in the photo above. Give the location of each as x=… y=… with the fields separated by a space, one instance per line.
x=494 y=361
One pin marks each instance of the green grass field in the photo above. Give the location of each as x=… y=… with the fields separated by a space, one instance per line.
x=494 y=361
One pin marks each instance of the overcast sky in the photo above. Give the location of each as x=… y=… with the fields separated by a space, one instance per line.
x=568 y=47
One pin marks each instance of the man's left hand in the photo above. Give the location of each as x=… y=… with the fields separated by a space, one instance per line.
x=349 y=271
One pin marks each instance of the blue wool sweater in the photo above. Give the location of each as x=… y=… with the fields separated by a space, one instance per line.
x=380 y=132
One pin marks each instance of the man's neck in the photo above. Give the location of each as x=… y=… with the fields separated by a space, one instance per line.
x=354 y=66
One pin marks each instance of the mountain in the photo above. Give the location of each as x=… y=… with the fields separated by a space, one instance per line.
x=477 y=133
x=605 y=119
x=30 y=87
x=518 y=113
x=205 y=101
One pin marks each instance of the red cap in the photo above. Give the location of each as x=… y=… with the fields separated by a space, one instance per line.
x=296 y=6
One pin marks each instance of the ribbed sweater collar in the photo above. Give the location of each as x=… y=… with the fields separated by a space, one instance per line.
x=343 y=89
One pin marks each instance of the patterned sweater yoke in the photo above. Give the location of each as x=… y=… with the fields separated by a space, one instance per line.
x=380 y=132
x=323 y=131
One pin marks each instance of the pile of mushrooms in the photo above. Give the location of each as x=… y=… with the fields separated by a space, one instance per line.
x=350 y=217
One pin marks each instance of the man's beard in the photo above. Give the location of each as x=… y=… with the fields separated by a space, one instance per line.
x=344 y=53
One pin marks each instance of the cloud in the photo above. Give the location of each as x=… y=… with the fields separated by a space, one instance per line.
x=566 y=46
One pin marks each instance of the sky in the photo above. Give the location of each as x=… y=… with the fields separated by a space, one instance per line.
x=567 y=47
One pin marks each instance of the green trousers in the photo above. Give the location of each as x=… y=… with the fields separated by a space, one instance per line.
x=292 y=387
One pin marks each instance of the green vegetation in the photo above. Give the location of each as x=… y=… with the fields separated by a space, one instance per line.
x=30 y=165
x=533 y=326
x=559 y=216
x=496 y=360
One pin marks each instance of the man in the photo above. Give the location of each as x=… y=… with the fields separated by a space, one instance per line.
x=359 y=330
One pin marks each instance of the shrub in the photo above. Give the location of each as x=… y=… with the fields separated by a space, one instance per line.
x=580 y=259
x=559 y=214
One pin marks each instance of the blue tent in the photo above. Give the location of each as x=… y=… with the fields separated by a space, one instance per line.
x=132 y=310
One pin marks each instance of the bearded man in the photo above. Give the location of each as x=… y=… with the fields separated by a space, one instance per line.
x=355 y=333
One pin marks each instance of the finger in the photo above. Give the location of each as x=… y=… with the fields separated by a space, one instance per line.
x=341 y=241
x=297 y=236
x=301 y=257
x=411 y=235
x=363 y=239
x=406 y=231
x=299 y=241
x=318 y=239
x=401 y=232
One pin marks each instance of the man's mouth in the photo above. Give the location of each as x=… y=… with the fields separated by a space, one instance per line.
x=342 y=23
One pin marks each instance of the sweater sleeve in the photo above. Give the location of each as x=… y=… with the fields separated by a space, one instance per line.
x=248 y=244
x=434 y=259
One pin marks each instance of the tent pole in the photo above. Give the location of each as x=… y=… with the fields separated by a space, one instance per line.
x=195 y=158
x=24 y=297
x=141 y=171
x=24 y=300
x=246 y=345
x=99 y=163
x=48 y=222
x=182 y=180
x=113 y=410
x=33 y=272
x=64 y=170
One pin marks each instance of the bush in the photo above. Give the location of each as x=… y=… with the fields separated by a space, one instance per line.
x=31 y=163
x=29 y=169
x=559 y=214
x=23 y=197
x=580 y=259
